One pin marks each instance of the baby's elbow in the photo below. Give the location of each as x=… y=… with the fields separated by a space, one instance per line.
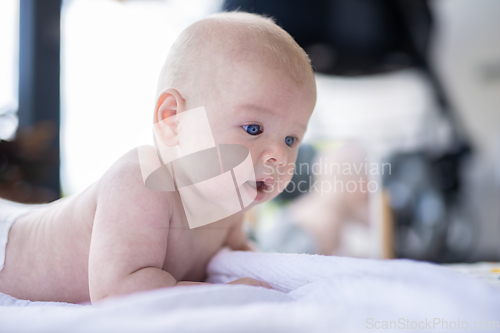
x=101 y=288
x=103 y=292
x=96 y=297
x=97 y=292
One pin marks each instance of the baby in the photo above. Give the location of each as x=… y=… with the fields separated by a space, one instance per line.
x=119 y=236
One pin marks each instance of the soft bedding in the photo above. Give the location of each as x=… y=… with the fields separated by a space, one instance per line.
x=311 y=294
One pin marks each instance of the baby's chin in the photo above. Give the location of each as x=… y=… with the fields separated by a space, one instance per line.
x=250 y=206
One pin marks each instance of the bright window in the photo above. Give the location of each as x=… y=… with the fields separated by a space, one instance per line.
x=112 y=53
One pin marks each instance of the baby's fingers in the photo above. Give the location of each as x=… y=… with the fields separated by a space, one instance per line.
x=265 y=285
x=251 y=282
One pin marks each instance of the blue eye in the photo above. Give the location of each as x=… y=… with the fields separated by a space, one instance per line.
x=289 y=140
x=253 y=129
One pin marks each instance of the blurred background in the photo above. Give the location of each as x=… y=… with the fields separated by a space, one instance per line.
x=411 y=85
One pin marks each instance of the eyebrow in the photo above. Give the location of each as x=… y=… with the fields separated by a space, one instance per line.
x=256 y=107
x=264 y=109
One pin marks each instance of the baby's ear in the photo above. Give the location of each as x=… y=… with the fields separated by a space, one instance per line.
x=169 y=104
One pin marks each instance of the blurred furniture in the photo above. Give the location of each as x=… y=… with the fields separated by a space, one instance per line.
x=25 y=163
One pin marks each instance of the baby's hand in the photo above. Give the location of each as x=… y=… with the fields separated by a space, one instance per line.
x=251 y=282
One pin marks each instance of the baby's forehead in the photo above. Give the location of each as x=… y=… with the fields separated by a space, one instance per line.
x=264 y=92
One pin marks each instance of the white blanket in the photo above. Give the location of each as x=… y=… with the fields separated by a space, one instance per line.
x=311 y=294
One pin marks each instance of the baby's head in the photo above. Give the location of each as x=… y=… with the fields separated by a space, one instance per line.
x=256 y=84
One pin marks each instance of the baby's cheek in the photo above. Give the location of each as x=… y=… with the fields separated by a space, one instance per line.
x=286 y=178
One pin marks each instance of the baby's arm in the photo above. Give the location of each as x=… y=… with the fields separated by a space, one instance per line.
x=129 y=236
x=237 y=238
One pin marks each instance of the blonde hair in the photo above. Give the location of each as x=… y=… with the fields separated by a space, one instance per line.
x=233 y=36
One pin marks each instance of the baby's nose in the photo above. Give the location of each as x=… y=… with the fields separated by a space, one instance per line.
x=275 y=155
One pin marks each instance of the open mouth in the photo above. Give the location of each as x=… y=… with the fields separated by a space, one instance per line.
x=261 y=186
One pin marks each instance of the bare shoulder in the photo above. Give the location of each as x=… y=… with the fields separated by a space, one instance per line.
x=123 y=183
x=125 y=172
